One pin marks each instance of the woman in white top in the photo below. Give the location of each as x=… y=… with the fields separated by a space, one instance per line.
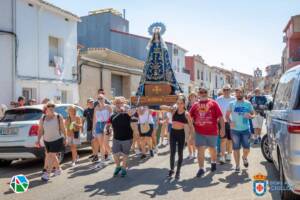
x=102 y=113
x=145 y=126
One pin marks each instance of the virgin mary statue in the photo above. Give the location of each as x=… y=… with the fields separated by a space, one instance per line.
x=158 y=69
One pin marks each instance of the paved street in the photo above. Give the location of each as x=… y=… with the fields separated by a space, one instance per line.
x=146 y=180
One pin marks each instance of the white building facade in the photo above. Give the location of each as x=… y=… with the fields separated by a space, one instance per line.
x=178 y=65
x=41 y=54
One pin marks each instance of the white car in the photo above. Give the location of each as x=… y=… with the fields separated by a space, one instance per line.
x=19 y=131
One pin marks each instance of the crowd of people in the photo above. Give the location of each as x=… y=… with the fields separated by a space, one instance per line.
x=115 y=130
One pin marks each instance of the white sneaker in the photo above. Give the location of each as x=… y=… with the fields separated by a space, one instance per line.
x=190 y=157
x=228 y=157
x=45 y=176
x=73 y=164
x=222 y=160
x=57 y=172
x=99 y=165
x=194 y=155
x=137 y=152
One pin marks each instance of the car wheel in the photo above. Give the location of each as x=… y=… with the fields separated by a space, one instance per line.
x=5 y=163
x=285 y=192
x=60 y=156
x=265 y=149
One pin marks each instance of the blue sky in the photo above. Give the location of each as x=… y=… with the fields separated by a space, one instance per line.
x=242 y=34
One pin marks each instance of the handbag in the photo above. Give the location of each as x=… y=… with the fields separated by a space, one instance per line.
x=145 y=127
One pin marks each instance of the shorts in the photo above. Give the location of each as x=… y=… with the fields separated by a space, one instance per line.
x=73 y=141
x=258 y=121
x=55 y=146
x=121 y=146
x=89 y=136
x=227 y=131
x=99 y=128
x=240 y=138
x=205 y=140
x=148 y=134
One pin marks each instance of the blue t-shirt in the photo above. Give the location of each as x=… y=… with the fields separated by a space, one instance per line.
x=238 y=110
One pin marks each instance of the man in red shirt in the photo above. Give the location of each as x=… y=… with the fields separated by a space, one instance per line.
x=206 y=113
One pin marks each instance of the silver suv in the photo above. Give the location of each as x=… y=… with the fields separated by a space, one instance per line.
x=281 y=144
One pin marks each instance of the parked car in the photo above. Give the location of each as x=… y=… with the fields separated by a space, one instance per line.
x=281 y=144
x=19 y=131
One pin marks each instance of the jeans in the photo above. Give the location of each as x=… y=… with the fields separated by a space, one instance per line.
x=177 y=138
x=240 y=138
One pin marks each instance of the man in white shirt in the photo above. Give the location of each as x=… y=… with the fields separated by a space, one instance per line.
x=226 y=143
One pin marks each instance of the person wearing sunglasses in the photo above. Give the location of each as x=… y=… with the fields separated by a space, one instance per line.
x=52 y=128
x=226 y=143
x=120 y=122
x=102 y=113
x=206 y=114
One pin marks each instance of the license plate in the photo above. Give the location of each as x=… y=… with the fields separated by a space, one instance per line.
x=8 y=131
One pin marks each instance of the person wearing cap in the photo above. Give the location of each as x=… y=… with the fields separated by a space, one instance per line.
x=206 y=113
x=88 y=115
x=259 y=103
x=120 y=121
x=52 y=129
x=226 y=143
x=238 y=115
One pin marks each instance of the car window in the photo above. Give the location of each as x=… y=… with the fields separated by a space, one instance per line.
x=283 y=95
x=26 y=114
x=62 y=110
x=79 y=112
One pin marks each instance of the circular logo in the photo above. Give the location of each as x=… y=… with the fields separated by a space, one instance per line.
x=19 y=184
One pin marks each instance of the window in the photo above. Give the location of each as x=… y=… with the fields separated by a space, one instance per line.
x=29 y=93
x=62 y=110
x=210 y=77
x=283 y=94
x=178 y=64
x=202 y=75
x=22 y=115
x=198 y=74
x=216 y=81
x=54 y=51
x=79 y=112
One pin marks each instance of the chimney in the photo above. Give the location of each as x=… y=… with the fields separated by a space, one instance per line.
x=124 y=13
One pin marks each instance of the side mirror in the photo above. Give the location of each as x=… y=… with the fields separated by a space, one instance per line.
x=270 y=105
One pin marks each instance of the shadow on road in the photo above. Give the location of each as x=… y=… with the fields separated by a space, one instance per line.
x=234 y=179
x=115 y=185
x=151 y=176
x=272 y=175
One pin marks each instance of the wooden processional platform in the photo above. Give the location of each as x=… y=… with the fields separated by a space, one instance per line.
x=155 y=94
